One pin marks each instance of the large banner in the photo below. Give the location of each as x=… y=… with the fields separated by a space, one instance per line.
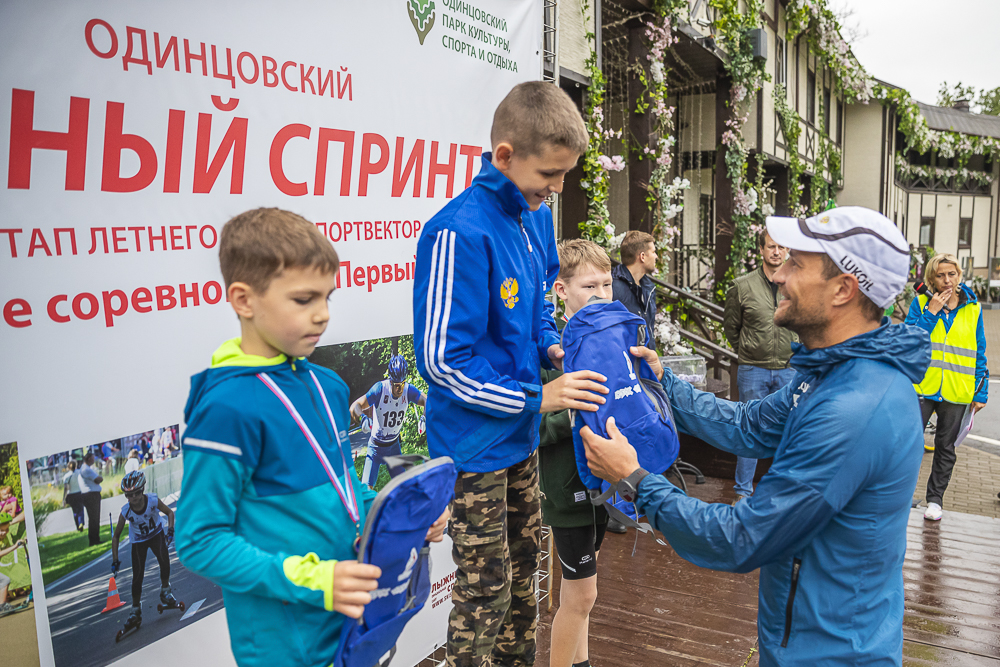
x=129 y=133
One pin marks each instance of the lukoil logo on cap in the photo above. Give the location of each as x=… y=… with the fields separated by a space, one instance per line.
x=852 y=267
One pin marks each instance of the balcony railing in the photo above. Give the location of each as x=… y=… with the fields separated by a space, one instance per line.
x=701 y=310
x=938 y=183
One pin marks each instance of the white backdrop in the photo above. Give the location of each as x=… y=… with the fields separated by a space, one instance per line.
x=73 y=376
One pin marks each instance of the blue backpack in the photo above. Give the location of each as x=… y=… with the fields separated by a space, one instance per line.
x=393 y=539
x=598 y=338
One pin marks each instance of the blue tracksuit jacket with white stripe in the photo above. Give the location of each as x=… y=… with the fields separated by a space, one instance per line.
x=481 y=324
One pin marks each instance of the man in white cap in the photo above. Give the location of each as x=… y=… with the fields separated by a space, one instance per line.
x=827 y=524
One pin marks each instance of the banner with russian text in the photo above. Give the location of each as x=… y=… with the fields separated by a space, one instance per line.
x=130 y=132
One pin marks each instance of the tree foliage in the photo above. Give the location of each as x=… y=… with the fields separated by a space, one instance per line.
x=10 y=470
x=985 y=101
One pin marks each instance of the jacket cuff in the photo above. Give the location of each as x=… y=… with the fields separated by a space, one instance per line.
x=532 y=397
x=310 y=572
x=652 y=491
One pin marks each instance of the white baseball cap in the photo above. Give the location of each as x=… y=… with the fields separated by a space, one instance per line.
x=860 y=241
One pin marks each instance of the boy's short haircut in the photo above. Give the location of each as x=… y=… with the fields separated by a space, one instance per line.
x=257 y=245
x=634 y=243
x=578 y=254
x=536 y=113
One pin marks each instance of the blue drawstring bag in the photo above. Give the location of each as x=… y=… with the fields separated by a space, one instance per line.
x=598 y=338
x=394 y=539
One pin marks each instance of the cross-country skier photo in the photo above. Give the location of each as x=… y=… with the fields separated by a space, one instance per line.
x=382 y=411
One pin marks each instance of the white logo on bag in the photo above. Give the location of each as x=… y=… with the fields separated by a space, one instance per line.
x=625 y=392
x=404 y=577
x=579 y=496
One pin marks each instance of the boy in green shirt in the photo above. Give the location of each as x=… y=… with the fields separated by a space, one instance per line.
x=577 y=525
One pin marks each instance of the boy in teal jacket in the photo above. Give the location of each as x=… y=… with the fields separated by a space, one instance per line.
x=270 y=508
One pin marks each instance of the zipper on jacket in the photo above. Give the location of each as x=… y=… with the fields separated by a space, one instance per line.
x=524 y=231
x=531 y=261
x=796 y=565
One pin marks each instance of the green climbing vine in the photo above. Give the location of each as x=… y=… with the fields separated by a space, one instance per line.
x=598 y=226
x=747 y=76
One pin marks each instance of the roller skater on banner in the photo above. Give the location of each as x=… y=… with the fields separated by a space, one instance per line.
x=389 y=400
x=145 y=529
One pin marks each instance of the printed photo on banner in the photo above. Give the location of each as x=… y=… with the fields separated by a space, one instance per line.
x=17 y=608
x=104 y=516
x=387 y=398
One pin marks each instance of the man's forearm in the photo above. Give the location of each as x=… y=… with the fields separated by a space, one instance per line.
x=751 y=430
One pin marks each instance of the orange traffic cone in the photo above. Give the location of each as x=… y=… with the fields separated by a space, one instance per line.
x=113 y=600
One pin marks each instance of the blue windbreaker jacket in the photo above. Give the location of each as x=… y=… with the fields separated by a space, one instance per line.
x=827 y=524
x=927 y=320
x=481 y=322
x=257 y=514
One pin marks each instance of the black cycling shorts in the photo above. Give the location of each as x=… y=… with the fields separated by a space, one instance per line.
x=577 y=549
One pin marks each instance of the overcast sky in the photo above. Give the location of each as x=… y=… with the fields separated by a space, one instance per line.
x=917 y=44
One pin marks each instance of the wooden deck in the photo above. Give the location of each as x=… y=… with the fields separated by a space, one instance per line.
x=654 y=608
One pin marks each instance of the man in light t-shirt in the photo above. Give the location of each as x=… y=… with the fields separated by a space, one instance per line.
x=72 y=495
x=90 y=488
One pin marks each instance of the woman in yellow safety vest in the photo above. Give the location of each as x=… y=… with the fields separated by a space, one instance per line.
x=957 y=380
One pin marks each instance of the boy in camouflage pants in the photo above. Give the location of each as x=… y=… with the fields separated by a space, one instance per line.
x=481 y=329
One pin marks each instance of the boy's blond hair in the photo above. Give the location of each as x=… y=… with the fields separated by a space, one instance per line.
x=578 y=254
x=634 y=243
x=535 y=114
x=257 y=245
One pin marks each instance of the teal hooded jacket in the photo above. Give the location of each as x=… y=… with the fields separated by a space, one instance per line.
x=258 y=514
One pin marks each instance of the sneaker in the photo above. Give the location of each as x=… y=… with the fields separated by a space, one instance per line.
x=933 y=512
x=616 y=526
x=739 y=497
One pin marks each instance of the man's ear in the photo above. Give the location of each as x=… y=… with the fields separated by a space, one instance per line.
x=846 y=289
x=241 y=297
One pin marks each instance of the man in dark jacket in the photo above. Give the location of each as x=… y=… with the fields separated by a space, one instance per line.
x=763 y=347
x=827 y=524
x=632 y=285
x=636 y=291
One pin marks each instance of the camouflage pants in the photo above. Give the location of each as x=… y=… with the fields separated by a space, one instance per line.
x=496 y=527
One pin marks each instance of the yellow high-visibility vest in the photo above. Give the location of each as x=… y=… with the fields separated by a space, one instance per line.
x=953 y=356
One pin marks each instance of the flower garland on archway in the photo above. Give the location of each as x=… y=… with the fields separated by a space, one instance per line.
x=664 y=196
x=747 y=76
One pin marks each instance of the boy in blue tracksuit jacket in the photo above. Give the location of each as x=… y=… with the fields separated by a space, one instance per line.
x=482 y=329
x=270 y=506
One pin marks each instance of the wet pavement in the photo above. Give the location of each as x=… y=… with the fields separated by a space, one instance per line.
x=654 y=608
x=952 y=582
